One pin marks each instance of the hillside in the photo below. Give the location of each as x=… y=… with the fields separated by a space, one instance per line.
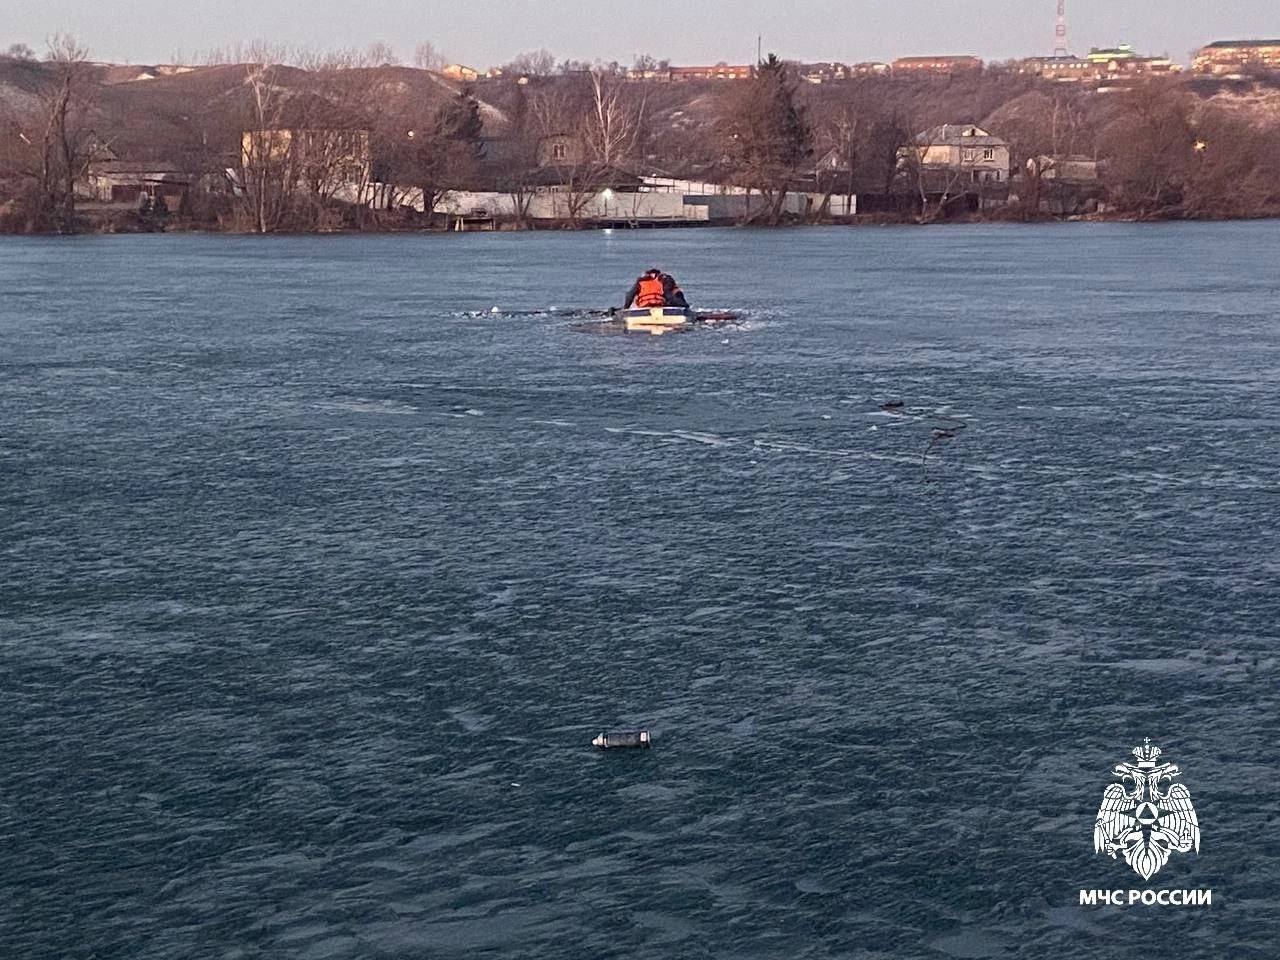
x=148 y=113
x=1168 y=147
x=189 y=113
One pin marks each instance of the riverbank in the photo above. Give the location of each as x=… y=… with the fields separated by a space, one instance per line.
x=132 y=223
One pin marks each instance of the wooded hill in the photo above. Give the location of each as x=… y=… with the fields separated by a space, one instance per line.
x=1172 y=147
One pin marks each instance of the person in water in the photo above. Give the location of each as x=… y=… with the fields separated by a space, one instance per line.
x=656 y=289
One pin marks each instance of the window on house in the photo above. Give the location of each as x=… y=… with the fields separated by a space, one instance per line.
x=989 y=153
x=968 y=155
x=559 y=151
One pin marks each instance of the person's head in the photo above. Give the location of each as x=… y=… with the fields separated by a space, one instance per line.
x=653 y=272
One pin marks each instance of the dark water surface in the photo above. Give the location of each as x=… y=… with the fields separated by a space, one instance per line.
x=317 y=579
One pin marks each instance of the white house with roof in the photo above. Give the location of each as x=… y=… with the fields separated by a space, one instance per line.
x=963 y=148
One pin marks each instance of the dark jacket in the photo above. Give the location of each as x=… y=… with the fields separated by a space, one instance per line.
x=670 y=290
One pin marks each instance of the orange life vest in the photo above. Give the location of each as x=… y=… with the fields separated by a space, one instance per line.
x=651 y=293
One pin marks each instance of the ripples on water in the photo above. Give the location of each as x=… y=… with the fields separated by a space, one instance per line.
x=319 y=577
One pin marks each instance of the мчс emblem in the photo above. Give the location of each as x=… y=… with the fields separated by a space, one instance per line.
x=1146 y=816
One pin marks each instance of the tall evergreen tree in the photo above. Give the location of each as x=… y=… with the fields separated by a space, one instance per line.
x=769 y=134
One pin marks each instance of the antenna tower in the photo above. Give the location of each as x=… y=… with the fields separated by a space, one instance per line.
x=1060 y=32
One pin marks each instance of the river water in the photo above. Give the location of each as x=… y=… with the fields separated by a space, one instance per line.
x=318 y=576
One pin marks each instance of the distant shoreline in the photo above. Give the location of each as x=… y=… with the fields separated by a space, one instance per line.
x=128 y=226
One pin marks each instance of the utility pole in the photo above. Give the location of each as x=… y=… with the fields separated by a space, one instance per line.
x=759 y=49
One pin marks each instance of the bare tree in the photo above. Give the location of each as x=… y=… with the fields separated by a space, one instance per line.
x=516 y=164
x=18 y=51
x=427 y=57
x=378 y=54
x=561 y=113
x=67 y=142
x=839 y=135
x=1149 y=145
x=878 y=156
x=613 y=128
x=252 y=52
x=430 y=152
x=1042 y=131
x=516 y=177
x=1235 y=167
x=942 y=182
x=347 y=115
x=533 y=63
x=382 y=54
x=268 y=174
x=643 y=65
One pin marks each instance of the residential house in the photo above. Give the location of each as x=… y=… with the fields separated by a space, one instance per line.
x=1107 y=63
x=1061 y=69
x=326 y=155
x=649 y=71
x=1122 y=61
x=905 y=67
x=457 y=71
x=1236 y=57
x=1065 y=185
x=721 y=71
x=870 y=68
x=962 y=149
x=822 y=72
x=561 y=150
x=1070 y=168
x=833 y=160
x=129 y=181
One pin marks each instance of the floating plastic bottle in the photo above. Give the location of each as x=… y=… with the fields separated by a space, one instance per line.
x=626 y=739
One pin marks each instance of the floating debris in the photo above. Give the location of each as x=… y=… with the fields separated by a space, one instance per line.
x=627 y=739
x=941 y=434
x=943 y=428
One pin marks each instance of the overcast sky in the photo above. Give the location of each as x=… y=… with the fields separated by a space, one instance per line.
x=486 y=32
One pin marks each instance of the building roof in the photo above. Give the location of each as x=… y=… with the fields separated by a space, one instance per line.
x=1219 y=44
x=155 y=167
x=1069 y=61
x=310 y=111
x=1124 y=50
x=950 y=61
x=720 y=68
x=958 y=135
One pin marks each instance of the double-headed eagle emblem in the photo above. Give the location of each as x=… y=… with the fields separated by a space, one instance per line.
x=1146 y=816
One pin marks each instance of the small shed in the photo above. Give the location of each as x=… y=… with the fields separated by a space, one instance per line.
x=128 y=181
